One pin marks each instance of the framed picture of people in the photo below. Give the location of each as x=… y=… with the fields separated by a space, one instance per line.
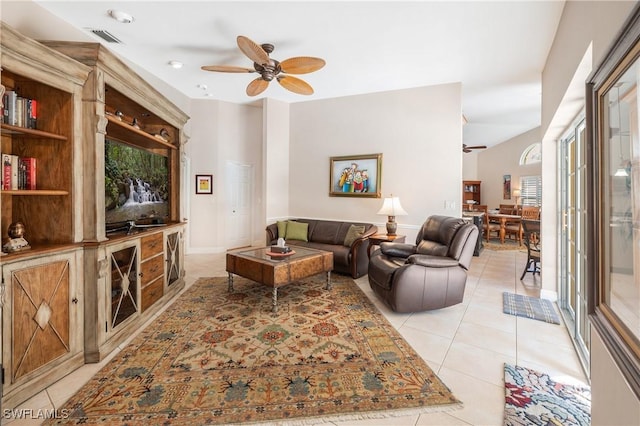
x=355 y=176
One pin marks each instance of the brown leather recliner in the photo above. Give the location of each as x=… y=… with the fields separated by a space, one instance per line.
x=431 y=274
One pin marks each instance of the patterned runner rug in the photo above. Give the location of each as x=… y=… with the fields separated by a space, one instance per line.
x=215 y=357
x=533 y=398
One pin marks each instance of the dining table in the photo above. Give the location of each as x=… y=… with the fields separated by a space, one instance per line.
x=503 y=218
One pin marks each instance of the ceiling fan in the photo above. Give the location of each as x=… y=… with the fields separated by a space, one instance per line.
x=466 y=148
x=270 y=68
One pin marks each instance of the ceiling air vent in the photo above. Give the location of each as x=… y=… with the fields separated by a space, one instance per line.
x=105 y=35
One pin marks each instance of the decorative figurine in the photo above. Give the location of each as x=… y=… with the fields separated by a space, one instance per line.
x=164 y=135
x=16 y=240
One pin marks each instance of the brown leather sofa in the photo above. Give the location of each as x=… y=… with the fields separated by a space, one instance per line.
x=329 y=235
x=431 y=274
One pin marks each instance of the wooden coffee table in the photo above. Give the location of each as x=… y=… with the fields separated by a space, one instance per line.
x=278 y=271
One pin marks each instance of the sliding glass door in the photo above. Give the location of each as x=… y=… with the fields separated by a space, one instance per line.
x=573 y=219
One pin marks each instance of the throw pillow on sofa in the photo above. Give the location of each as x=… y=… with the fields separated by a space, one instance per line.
x=353 y=234
x=296 y=231
x=282 y=228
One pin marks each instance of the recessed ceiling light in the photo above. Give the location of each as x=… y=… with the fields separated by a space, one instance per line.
x=176 y=64
x=121 y=16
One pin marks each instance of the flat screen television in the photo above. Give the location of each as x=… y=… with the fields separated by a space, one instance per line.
x=136 y=184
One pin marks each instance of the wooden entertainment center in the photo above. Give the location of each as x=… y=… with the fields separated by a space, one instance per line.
x=79 y=291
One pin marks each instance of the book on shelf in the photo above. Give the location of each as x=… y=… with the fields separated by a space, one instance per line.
x=29 y=167
x=18 y=172
x=14 y=171
x=6 y=171
x=10 y=107
x=32 y=113
x=19 y=111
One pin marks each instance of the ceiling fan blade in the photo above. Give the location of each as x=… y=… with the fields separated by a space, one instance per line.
x=257 y=86
x=295 y=85
x=301 y=65
x=253 y=50
x=226 y=68
x=466 y=148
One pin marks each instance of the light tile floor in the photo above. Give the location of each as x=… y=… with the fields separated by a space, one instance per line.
x=466 y=345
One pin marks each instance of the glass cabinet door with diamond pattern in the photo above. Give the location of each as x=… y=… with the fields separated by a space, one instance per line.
x=123 y=285
x=174 y=256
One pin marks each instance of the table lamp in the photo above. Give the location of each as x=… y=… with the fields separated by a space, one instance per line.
x=392 y=208
x=516 y=193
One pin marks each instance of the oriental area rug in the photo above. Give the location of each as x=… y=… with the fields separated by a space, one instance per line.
x=533 y=398
x=215 y=357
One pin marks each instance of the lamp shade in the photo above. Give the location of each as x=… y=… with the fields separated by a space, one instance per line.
x=392 y=207
x=621 y=172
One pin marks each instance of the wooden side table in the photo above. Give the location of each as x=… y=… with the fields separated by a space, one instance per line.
x=376 y=239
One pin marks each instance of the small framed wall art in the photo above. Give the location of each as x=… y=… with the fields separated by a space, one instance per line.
x=204 y=184
x=355 y=176
x=506 y=187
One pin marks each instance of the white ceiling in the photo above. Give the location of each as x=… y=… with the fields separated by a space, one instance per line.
x=497 y=50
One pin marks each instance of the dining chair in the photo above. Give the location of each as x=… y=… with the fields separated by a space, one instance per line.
x=514 y=228
x=507 y=208
x=532 y=240
x=488 y=226
x=531 y=212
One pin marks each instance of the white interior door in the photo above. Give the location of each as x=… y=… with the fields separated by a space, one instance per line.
x=239 y=214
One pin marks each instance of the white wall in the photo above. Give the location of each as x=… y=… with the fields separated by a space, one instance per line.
x=586 y=30
x=276 y=161
x=504 y=159
x=222 y=132
x=419 y=133
x=613 y=401
x=470 y=165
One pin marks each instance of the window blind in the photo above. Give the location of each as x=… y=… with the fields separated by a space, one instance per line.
x=531 y=190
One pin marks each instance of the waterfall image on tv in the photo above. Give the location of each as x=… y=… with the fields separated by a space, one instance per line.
x=136 y=183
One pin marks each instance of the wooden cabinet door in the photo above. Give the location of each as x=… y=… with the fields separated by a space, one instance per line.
x=42 y=317
x=173 y=253
x=41 y=320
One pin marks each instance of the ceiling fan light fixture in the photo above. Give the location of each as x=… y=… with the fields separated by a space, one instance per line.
x=120 y=16
x=271 y=69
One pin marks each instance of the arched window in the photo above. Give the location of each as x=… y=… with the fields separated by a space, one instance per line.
x=532 y=154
